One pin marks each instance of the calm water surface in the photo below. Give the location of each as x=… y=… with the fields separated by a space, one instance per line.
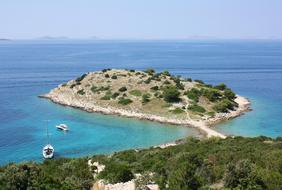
x=27 y=69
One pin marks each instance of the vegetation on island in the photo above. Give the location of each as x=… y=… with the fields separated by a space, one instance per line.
x=232 y=163
x=158 y=93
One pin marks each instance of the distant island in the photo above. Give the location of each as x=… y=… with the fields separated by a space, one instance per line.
x=5 y=39
x=153 y=96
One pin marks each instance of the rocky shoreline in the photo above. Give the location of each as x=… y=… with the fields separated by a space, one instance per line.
x=202 y=125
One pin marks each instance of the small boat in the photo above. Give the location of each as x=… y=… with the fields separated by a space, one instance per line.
x=48 y=150
x=62 y=127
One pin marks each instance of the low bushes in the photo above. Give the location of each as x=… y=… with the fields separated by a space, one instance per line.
x=79 y=79
x=95 y=89
x=177 y=111
x=114 y=95
x=81 y=92
x=224 y=106
x=124 y=101
x=114 y=77
x=154 y=88
x=146 y=98
x=122 y=89
x=136 y=93
x=116 y=173
x=194 y=94
x=197 y=108
x=171 y=94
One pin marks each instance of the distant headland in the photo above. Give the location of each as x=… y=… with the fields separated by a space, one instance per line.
x=153 y=96
x=5 y=39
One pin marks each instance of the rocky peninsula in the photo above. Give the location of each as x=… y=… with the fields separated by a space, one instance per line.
x=153 y=96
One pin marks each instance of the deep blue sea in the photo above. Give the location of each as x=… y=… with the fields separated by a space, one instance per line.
x=30 y=68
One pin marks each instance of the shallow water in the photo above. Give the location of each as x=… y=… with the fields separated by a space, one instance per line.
x=27 y=69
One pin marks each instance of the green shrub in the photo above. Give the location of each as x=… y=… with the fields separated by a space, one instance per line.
x=105 y=70
x=177 y=111
x=116 y=173
x=79 y=79
x=115 y=95
x=243 y=175
x=95 y=89
x=171 y=93
x=184 y=177
x=193 y=94
x=150 y=71
x=135 y=92
x=166 y=73
x=156 y=77
x=228 y=93
x=155 y=88
x=166 y=82
x=107 y=96
x=132 y=70
x=189 y=79
x=199 y=81
x=72 y=86
x=221 y=86
x=81 y=92
x=224 y=106
x=114 y=77
x=197 y=108
x=180 y=86
x=124 y=101
x=212 y=94
x=107 y=76
x=146 y=98
x=212 y=114
x=148 y=80
x=123 y=89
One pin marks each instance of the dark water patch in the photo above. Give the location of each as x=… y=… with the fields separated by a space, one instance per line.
x=14 y=136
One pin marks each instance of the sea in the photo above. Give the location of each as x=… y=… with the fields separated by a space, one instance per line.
x=29 y=68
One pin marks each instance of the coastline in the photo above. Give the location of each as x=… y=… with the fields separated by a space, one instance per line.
x=204 y=126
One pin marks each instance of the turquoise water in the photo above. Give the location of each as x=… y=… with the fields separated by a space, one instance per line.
x=27 y=69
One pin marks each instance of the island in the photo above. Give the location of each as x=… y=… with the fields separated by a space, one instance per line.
x=149 y=95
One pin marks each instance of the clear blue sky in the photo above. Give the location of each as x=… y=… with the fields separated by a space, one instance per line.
x=141 y=18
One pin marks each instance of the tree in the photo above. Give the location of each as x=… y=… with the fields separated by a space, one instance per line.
x=146 y=98
x=228 y=93
x=116 y=173
x=243 y=175
x=184 y=177
x=166 y=73
x=171 y=94
x=194 y=94
x=221 y=86
x=224 y=106
x=212 y=94
x=123 y=89
x=150 y=71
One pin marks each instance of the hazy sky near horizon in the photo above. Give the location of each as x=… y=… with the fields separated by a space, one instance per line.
x=143 y=19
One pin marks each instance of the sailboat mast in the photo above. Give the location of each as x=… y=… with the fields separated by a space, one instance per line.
x=47 y=132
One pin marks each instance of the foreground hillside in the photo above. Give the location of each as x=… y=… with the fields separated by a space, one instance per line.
x=149 y=95
x=240 y=163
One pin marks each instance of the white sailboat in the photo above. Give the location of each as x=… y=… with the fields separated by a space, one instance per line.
x=62 y=127
x=48 y=150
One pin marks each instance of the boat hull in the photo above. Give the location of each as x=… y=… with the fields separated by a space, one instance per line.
x=48 y=151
